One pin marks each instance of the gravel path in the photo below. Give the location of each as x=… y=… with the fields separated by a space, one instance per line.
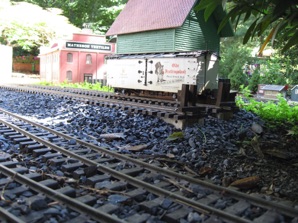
x=223 y=152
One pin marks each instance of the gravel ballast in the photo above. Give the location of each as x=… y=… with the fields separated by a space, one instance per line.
x=222 y=151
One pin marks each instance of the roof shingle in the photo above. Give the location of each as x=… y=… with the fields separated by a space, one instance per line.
x=145 y=15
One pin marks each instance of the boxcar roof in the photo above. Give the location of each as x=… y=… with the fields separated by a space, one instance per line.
x=145 y=15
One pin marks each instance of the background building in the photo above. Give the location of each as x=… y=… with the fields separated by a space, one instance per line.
x=76 y=60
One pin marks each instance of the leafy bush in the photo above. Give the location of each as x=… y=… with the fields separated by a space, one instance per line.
x=254 y=81
x=237 y=77
x=26 y=59
x=276 y=114
x=85 y=85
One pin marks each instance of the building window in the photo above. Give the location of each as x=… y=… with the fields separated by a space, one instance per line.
x=88 y=59
x=69 y=58
x=88 y=78
x=69 y=76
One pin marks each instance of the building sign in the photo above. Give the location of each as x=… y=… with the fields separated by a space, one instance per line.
x=88 y=46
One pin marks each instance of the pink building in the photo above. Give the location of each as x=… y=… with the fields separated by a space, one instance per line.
x=77 y=60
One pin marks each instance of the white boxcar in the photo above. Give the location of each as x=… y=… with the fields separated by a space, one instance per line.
x=164 y=73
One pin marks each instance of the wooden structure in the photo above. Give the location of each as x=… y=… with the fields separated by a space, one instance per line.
x=271 y=91
x=166 y=26
x=75 y=60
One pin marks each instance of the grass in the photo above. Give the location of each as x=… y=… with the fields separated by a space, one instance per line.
x=85 y=85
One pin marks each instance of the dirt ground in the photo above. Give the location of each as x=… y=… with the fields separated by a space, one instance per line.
x=20 y=78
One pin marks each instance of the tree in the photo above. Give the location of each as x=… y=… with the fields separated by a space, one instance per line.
x=235 y=56
x=232 y=53
x=98 y=15
x=25 y=31
x=237 y=77
x=279 y=16
x=254 y=81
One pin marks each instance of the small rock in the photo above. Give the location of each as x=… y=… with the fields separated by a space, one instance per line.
x=220 y=204
x=116 y=198
x=194 y=217
x=166 y=203
x=37 y=203
x=72 y=142
x=257 y=128
x=52 y=211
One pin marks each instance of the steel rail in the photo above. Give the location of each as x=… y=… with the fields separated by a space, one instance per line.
x=10 y=216
x=74 y=204
x=264 y=203
x=131 y=180
x=106 y=94
x=108 y=100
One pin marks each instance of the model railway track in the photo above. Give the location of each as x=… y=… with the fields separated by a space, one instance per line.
x=94 y=95
x=172 y=103
x=170 y=111
x=174 y=194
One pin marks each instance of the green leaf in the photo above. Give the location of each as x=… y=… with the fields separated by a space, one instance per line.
x=202 y=5
x=256 y=30
x=224 y=3
x=226 y=19
x=209 y=10
x=292 y=41
x=282 y=6
x=248 y=33
x=175 y=136
x=265 y=22
x=236 y=24
x=247 y=16
x=290 y=31
x=223 y=23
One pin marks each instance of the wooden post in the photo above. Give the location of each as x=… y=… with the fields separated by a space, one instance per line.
x=193 y=95
x=184 y=95
x=223 y=91
x=219 y=93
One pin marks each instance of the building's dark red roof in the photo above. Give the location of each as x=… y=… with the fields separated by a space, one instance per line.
x=145 y=15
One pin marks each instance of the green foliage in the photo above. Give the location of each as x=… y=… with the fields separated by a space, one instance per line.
x=175 y=136
x=28 y=31
x=279 y=17
x=237 y=77
x=276 y=69
x=233 y=53
x=107 y=17
x=26 y=59
x=27 y=36
x=289 y=62
x=242 y=96
x=45 y=83
x=19 y=51
x=271 y=72
x=279 y=68
x=85 y=85
x=97 y=15
x=275 y=114
x=254 y=80
x=293 y=132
